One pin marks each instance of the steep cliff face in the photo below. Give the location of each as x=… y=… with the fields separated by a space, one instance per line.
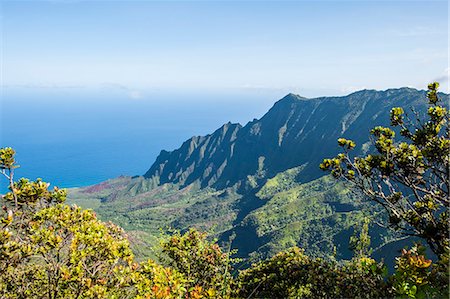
x=294 y=132
x=202 y=158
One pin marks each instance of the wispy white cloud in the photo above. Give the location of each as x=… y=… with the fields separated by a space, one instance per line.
x=43 y=86
x=135 y=94
x=444 y=80
x=417 y=31
x=131 y=92
x=444 y=77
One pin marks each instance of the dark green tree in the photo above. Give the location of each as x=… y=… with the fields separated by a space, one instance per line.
x=360 y=243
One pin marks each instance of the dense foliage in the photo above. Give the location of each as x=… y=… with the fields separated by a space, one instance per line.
x=202 y=262
x=292 y=274
x=52 y=250
x=414 y=277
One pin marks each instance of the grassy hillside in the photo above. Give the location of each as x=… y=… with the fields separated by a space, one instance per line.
x=317 y=216
x=145 y=210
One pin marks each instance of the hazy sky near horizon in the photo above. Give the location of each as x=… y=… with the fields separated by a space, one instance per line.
x=322 y=47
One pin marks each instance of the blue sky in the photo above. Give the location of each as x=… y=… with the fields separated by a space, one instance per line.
x=309 y=47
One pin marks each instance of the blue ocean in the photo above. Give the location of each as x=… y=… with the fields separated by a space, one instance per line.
x=72 y=137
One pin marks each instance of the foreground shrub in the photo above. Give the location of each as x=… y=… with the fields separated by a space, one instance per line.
x=57 y=251
x=51 y=250
x=202 y=262
x=292 y=274
x=416 y=277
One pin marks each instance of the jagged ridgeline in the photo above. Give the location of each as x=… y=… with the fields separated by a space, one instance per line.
x=260 y=182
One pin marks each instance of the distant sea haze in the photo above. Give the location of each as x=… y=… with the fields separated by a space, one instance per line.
x=73 y=139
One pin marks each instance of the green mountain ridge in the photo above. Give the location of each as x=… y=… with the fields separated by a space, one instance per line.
x=259 y=184
x=295 y=131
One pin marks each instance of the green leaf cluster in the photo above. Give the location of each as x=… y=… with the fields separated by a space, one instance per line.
x=202 y=262
x=416 y=277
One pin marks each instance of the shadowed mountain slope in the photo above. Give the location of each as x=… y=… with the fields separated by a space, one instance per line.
x=295 y=131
